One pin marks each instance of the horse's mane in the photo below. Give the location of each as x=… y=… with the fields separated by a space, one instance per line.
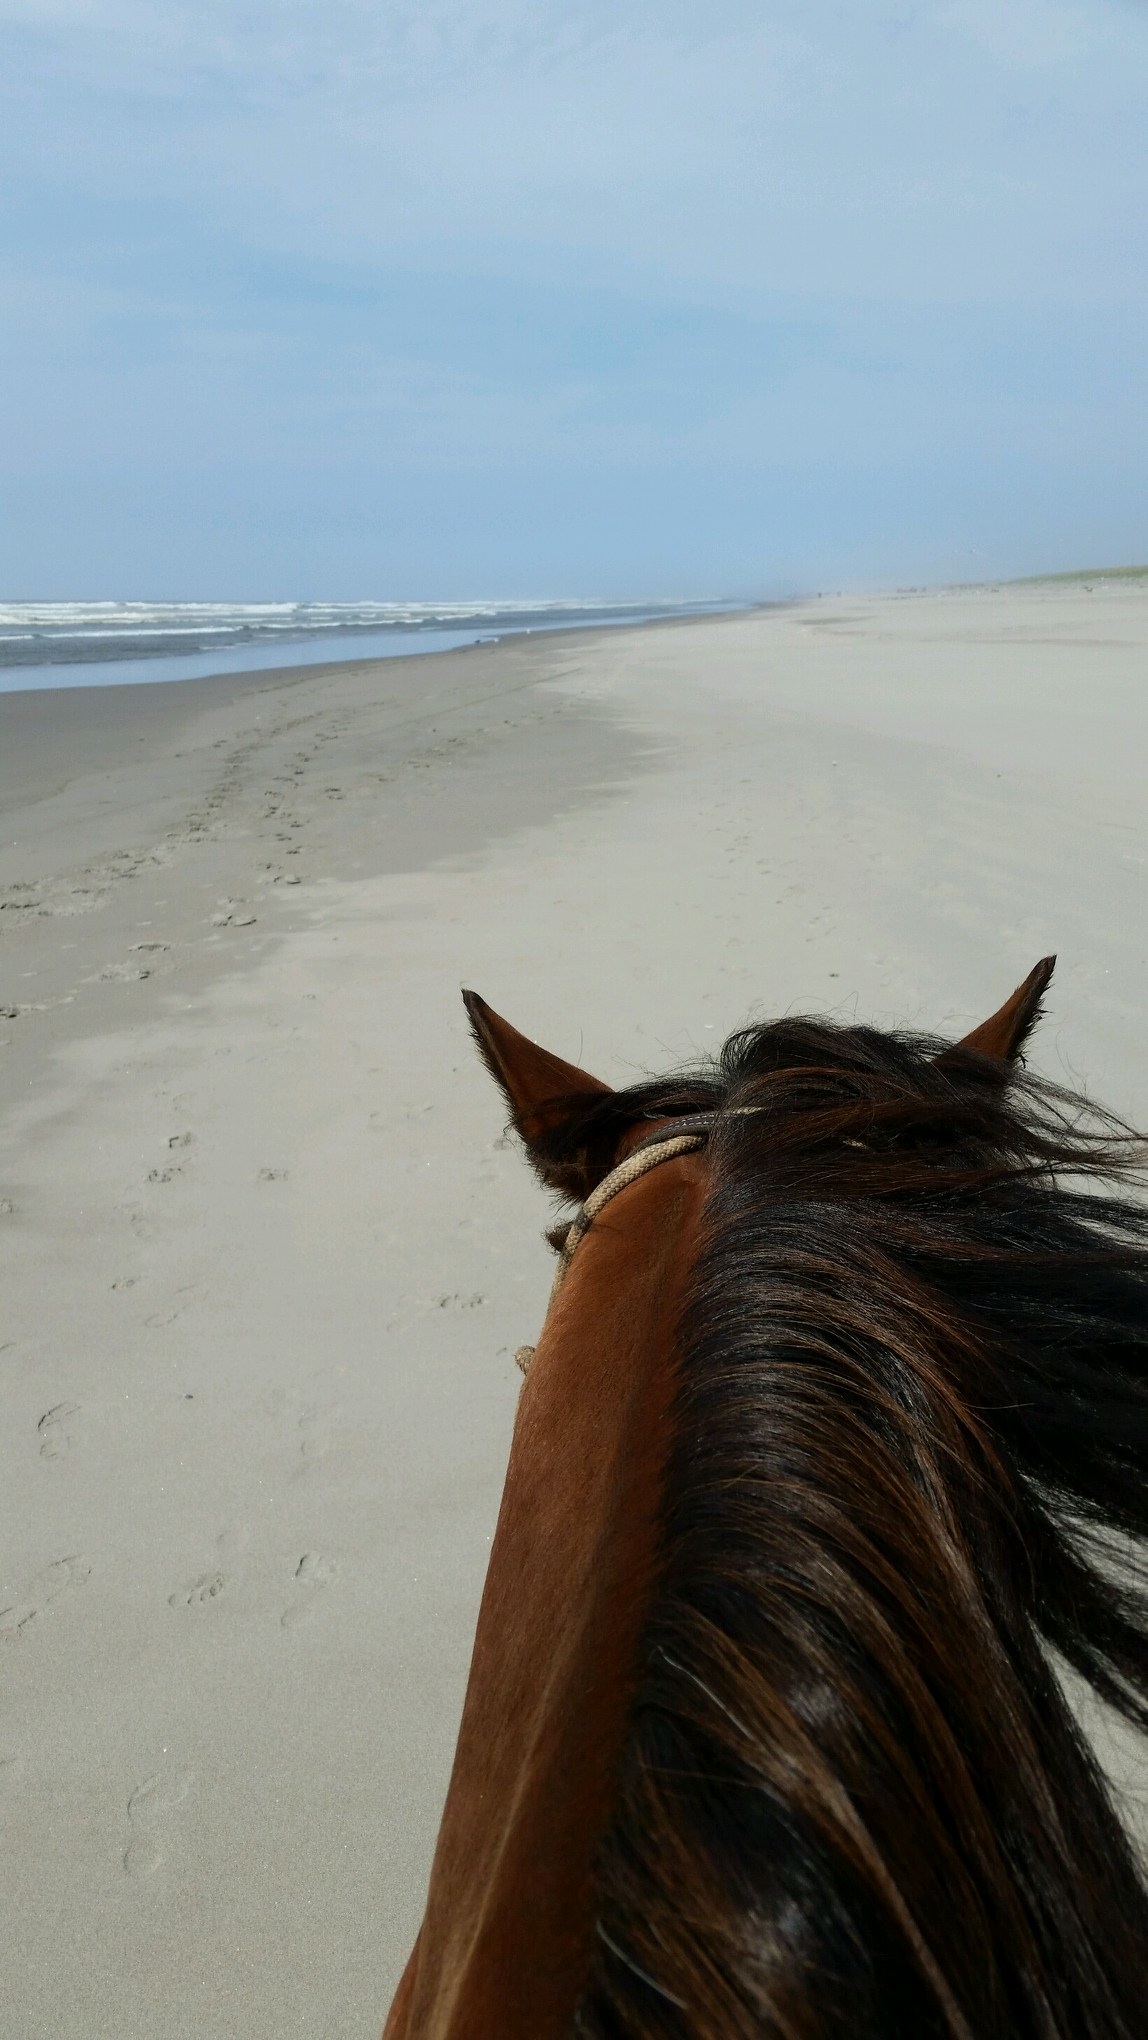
x=911 y=1417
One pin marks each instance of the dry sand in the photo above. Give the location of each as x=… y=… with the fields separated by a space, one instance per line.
x=265 y=1256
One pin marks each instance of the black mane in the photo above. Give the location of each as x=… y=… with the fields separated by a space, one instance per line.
x=910 y=1437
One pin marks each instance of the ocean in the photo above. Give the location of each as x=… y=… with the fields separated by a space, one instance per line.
x=101 y=644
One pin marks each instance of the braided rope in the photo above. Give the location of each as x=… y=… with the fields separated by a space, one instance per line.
x=635 y=1166
x=660 y=1147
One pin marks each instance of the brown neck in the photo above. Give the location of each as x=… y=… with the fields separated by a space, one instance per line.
x=505 y=1941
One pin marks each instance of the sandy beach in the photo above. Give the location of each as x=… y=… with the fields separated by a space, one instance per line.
x=266 y=1255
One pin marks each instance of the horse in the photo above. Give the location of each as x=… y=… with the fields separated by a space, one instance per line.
x=831 y=1457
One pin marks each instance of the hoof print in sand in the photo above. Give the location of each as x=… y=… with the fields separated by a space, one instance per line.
x=149 y=1811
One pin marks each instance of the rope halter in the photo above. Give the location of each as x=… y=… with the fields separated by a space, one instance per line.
x=680 y=1137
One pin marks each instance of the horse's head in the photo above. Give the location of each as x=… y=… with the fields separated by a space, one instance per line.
x=758 y=1679
x=575 y=1128
x=505 y=1942
x=588 y=1142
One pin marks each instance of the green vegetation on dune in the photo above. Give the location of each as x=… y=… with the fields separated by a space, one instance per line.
x=1085 y=574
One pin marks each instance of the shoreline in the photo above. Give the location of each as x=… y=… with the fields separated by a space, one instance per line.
x=107 y=827
x=373 y=646
x=94 y=720
x=266 y=1254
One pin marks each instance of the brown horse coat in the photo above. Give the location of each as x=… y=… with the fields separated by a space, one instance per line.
x=504 y=1943
x=929 y=1194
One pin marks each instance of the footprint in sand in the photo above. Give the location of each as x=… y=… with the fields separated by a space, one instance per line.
x=200 y=1594
x=312 y=1573
x=137 y=1221
x=125 y=973
x=150 y=1808
x=61 y=1578
x=210 y=1586
x=317 y=1424
x=157 y=1319
x=55 y=1428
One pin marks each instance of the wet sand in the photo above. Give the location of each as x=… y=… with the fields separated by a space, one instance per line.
x=265 y=1255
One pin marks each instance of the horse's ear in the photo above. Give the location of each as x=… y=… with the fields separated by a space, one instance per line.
x=539 y=1087
x=1005 y=1034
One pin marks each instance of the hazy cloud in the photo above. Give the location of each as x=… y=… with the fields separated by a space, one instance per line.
x=367 y=236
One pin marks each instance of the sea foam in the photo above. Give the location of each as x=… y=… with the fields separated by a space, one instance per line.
x=101 y=642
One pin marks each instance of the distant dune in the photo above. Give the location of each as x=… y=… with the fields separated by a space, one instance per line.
x=1084 y=574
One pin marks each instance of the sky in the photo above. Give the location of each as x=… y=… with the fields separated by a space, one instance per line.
x=442 y=299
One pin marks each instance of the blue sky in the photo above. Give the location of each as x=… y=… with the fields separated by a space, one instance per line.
x=447 y=298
